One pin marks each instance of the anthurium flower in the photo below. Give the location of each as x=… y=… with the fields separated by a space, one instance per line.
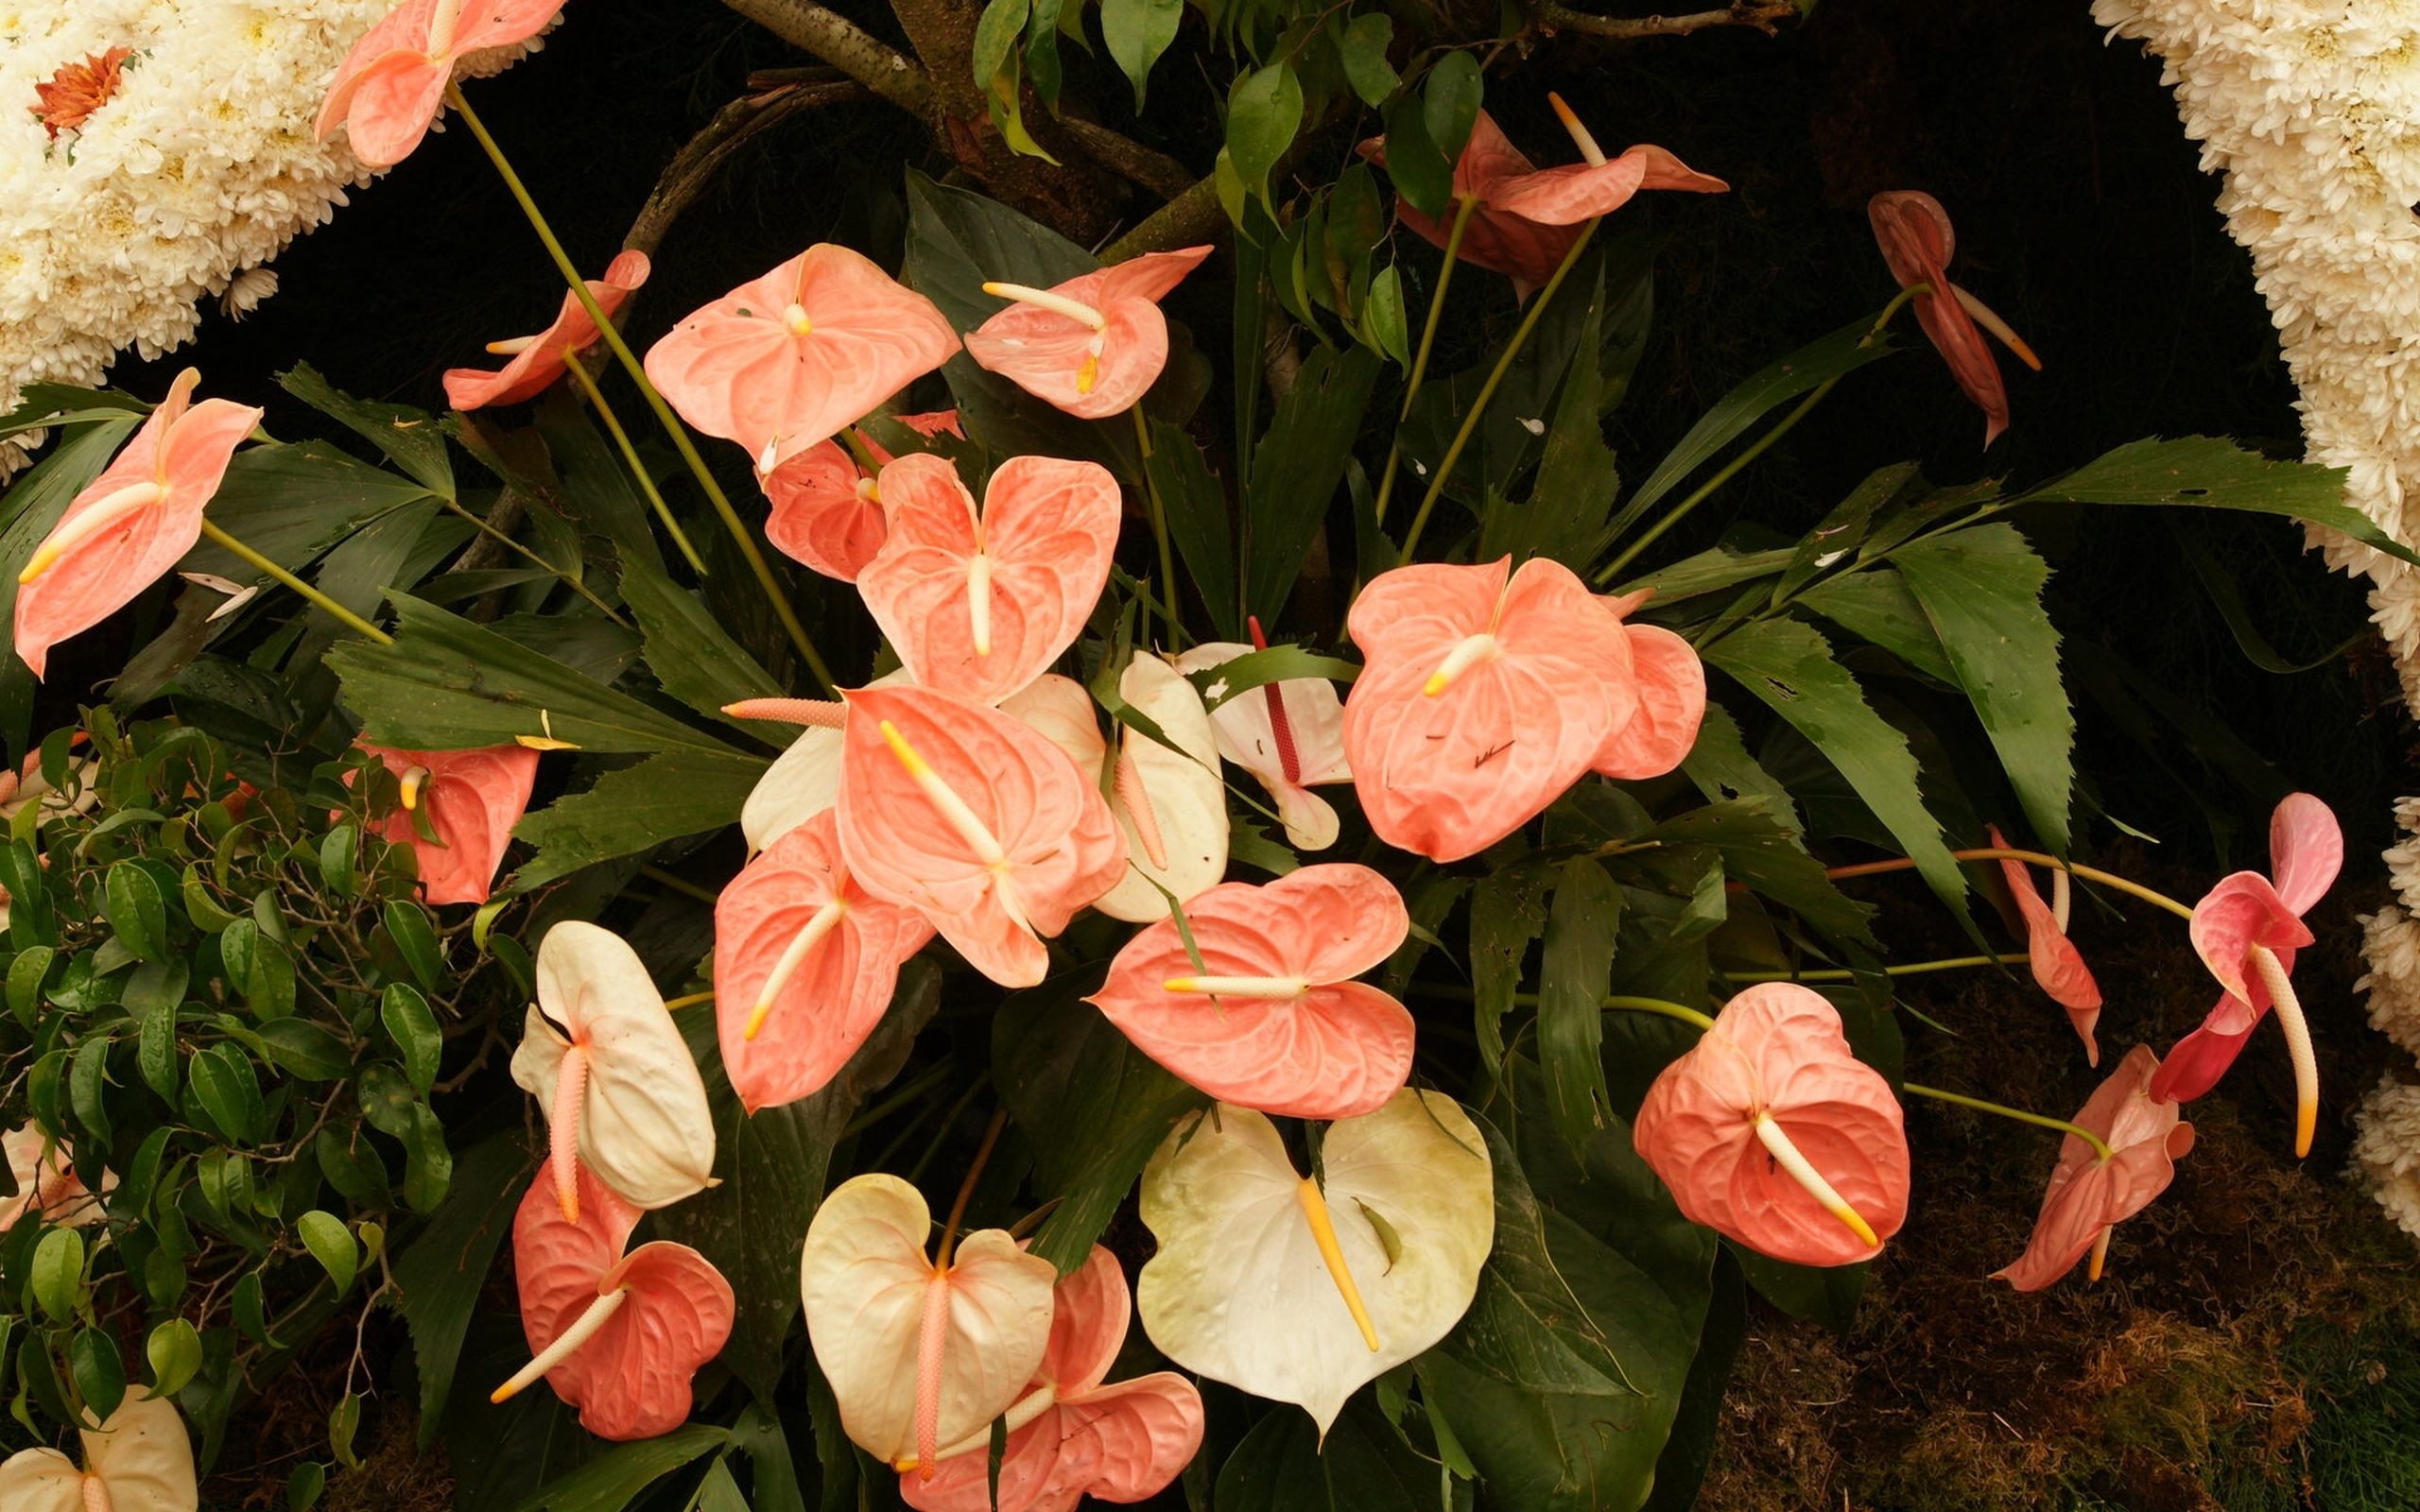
x=1595 y=186
x=828 y=509
x=804 y=963
x=47 y=1185
x=2058 y=966
x=979 y=602
x=122 y=533
x=473 y=798
x=920 y=1352
x=1288 y=735
x=619 y=1336
x=539 y=360
x=139 y=1460
x=389 y=87
x=1914 y=234
x=1671 y=700
x=621 y=1094
x=787 y=361
x=1485 y=694
x=1092 y=346
x=2089 y=1193
x=805 y=779
x=1304 y=1290
x=2246 y=929
x=1771 y=1132
x=1073 y=1432
x=1272 y=1019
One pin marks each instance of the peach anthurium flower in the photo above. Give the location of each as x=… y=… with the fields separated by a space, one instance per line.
x=979 y=602
x=1914 y=234
x=1671 y=700
x=2246 y=929
x=1272 y=1018
x=975 y=820
x=539 y=360
x=803 y=779
x=1770 y=1131
x=1092 y=346
x=141 y=1460
x=473 y=799
x=827 y=511
x=2058 y=966
x=47 y=1185
x=2089 y=1192
x=921 y=1353
x=621 y=1094
x=131 y=525
x=804 y=963
x=1485 y=695
x=1074 y=1433
x=617 y=1335
x=388 y=90
x=1301 y=1289
x=787 y=361
x=1288 y=735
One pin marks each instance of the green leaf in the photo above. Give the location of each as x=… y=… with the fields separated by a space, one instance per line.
x=344 y=1421
x=1820 y=1294
x=2226 y=596
x=1384 y=322
x=613 y=1480
x=1296 y=469
x=1680 y=1471
x=416 y=938
x=1362 y=1465
x=1508 y=914
x=99 y=1374
x=1567 y=516
x=410 y=438
x=1450 y=99
x=1876 y=606
x=1276 y=664
x=229 y=1093
x=1362 y=47
x=332 y=1244
x=87 y=1073
x=305 y=1049
x=414 y=1030
x=439 y=1276
x=1981 y=588
x=1760 y=845
x=336 y=851
x=59 y=1273
x=1263 y=110
x=1136 y=33
x=1575 y=976
x=719 y=1492
x=25 y=975
x=173 y=1351
x=304 y=1485
x=1843 y=530
x=1198 y=524
x=293 y=503
x=1422 y=174
x=2212 y=473
x=689 y=652
x=634 y=809
x=131 y=901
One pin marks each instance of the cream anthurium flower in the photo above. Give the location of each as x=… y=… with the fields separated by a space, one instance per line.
x=1304 y=1291
x=1172 y=804
x=805 y=779
x=141 y=1460
x=920 y=1352
x=1290 y=734
x=621 y=1094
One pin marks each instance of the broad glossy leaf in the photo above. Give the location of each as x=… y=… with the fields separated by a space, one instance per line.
x=1295 y=471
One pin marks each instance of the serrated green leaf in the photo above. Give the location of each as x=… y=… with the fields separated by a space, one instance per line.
x=1574 y=976
x=1296 y=469
x=635 y=809
x=2212 y=473
x=1876 y=606
x=410 y=438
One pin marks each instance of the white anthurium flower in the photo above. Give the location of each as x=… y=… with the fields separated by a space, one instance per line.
x=141 y=1460
x=1061 y=712
x=1290 y=734
x=921 y=1352
x=621 y=1094
x=1172 y=804
x=803 y=779
x=1305 y=1291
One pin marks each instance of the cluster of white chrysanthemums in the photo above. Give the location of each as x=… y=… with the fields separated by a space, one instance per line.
x=2311 y=110
x=153 y=155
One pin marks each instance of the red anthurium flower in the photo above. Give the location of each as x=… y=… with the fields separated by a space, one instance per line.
x=974 y=820
x=1671 y=700
x=828 y=508
x=979 y=602
x=2058 y=966
x=143 y=511
x=539 y=360
x=617 y=1335
x=389 y=87
x=804 y=963
x=787 y=361
x=2246 y=929
x=1092 y=345
x=1272 y=1018
x=2090 y=1192
x=1485 y=694
x=1771 y=1132
x=473 y=799
x=1071 y=1435
x=1290 y=734
x=1914 y=232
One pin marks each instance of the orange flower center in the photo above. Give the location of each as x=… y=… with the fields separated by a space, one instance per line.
x=79 y=89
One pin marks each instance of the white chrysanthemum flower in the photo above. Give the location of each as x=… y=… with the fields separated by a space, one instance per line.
x=2386 y=1146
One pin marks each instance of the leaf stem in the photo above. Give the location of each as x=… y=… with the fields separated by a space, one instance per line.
x=1874 y=868
x=1910 y=969
x=1428 y=339
x=510 y=544
x=343 y=616
x=2099 y=1147
x=1159 y=528
x=630 y=458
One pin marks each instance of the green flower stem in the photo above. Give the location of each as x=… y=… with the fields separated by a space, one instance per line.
x=687 y=1000
x=2099 y=1147
x=1159 y=528
x=510 y=544
x=672 y=426
x=1871 y=868
x=1911 y=969
x=344 y=616
x=638 y=469
x=681 y=884
x=1611 y=1005
x=1428 y=339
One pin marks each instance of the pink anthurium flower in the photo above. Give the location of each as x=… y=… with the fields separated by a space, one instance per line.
x=617 y=1335
x=389 y=87
x=122 y=533
x=1485 y=694
x=2058 y=966
x=1092 y=346
x=805 y=779
x=1671 y=700
x=1914 y=232
x=1288 y=735
x=539 y=360
x=2089 y=1192
x=473 y=798
x=787 y=361
x=827 y=511
x=1770 y=1131
x=921 y=1353
x=139 y=1460
x=47 y=1185
x=621 y=1094
x=979 y=602
x=1272 y=1018
x=975 y=820
x=804 y=963
x=2246 y=929
x=1074 y=1433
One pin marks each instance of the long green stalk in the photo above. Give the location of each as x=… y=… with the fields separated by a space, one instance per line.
x=345 y=616
x=638 y=469
x=1468 y=203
